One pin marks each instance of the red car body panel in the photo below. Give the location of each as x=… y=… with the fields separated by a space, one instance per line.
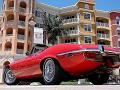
x=76 y=64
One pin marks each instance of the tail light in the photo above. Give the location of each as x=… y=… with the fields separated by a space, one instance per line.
x=90 y=55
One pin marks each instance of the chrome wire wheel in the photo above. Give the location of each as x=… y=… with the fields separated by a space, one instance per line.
x=49 y=70
x=9 y=77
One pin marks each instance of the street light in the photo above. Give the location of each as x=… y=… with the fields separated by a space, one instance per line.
x=32 y=23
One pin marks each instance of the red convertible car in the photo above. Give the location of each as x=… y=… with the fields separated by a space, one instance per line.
x=63 y=62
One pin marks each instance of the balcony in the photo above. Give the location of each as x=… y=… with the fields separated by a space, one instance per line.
x=19 y=51
x=23 y=10
x=103 y=36
x=21 y=23
x=10 y=8
x=20 y=37
x=10 y=21
x=69 y=21
x=102 y=25
x=8 y=49
x=72 y=32
x=9 y=34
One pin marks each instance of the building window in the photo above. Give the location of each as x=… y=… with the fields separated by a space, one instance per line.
x=72 y=40
x=87 y=6
x=118 y=32
x=70 y=17
x=118 y=43
x=39 y=25
x=88 y=27
x=72 y=28
x=117 y=20
x=101 y=42
x=38 y=13
x=87 y=16
x=88 y=39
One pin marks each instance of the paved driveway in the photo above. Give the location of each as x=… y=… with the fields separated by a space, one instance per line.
x=62 y=87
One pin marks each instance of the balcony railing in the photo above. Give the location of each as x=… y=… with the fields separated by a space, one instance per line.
x=21 y=37
x=19 y=51
x=10 y=21
x=21 y=23
x=22 y=9
x=102 y=24
x=9 y=34
x=73 y=42
x=72 y=32
x=10 y=8
x=70 y=20
x=103 y=36
x=7 y=49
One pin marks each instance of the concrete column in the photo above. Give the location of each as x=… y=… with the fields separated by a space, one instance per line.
x=31 y=6
x=78 y=28
x=78 y=40
x=5 y=4
x=78 y=17
x=14 y=41
x=111 y=43
x=14 y=5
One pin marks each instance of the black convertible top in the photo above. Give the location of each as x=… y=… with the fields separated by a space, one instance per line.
x=41 y=45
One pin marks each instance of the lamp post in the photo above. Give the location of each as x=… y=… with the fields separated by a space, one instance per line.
x=32 y=23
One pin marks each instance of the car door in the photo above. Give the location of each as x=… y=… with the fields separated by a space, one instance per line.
x=29 y=66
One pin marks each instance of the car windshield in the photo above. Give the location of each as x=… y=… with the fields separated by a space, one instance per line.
x=39 y=49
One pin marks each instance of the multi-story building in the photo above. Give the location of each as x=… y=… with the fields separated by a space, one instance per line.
x=83 y=23
x=79 y=21
x=40 y=11
x=15 y=28
x=0 y=31
x=115 y=27
x=103 y=25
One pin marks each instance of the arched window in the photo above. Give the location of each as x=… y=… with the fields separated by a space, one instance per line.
x=118 y=43
x=118 y=20
x=9 y=32
x=11 y=4
x=23 y=4
x=10 y=17
x=118 y=31
x=8 y=46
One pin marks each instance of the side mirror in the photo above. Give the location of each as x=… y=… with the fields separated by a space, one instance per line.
x=27 y=53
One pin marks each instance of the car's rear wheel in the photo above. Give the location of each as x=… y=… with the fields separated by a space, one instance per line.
x=9 y=78
x=99 y=79
x=51 y=72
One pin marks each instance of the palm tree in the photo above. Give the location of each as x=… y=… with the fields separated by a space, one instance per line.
x=54 y=27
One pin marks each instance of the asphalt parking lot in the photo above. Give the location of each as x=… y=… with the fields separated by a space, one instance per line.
x=62 y=87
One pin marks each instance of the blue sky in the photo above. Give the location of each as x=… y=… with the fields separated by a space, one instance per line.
x=100 y=4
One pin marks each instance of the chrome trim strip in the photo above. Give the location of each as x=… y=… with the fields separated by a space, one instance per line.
x=112 y=51
x=77 y=51
x=86 y=50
